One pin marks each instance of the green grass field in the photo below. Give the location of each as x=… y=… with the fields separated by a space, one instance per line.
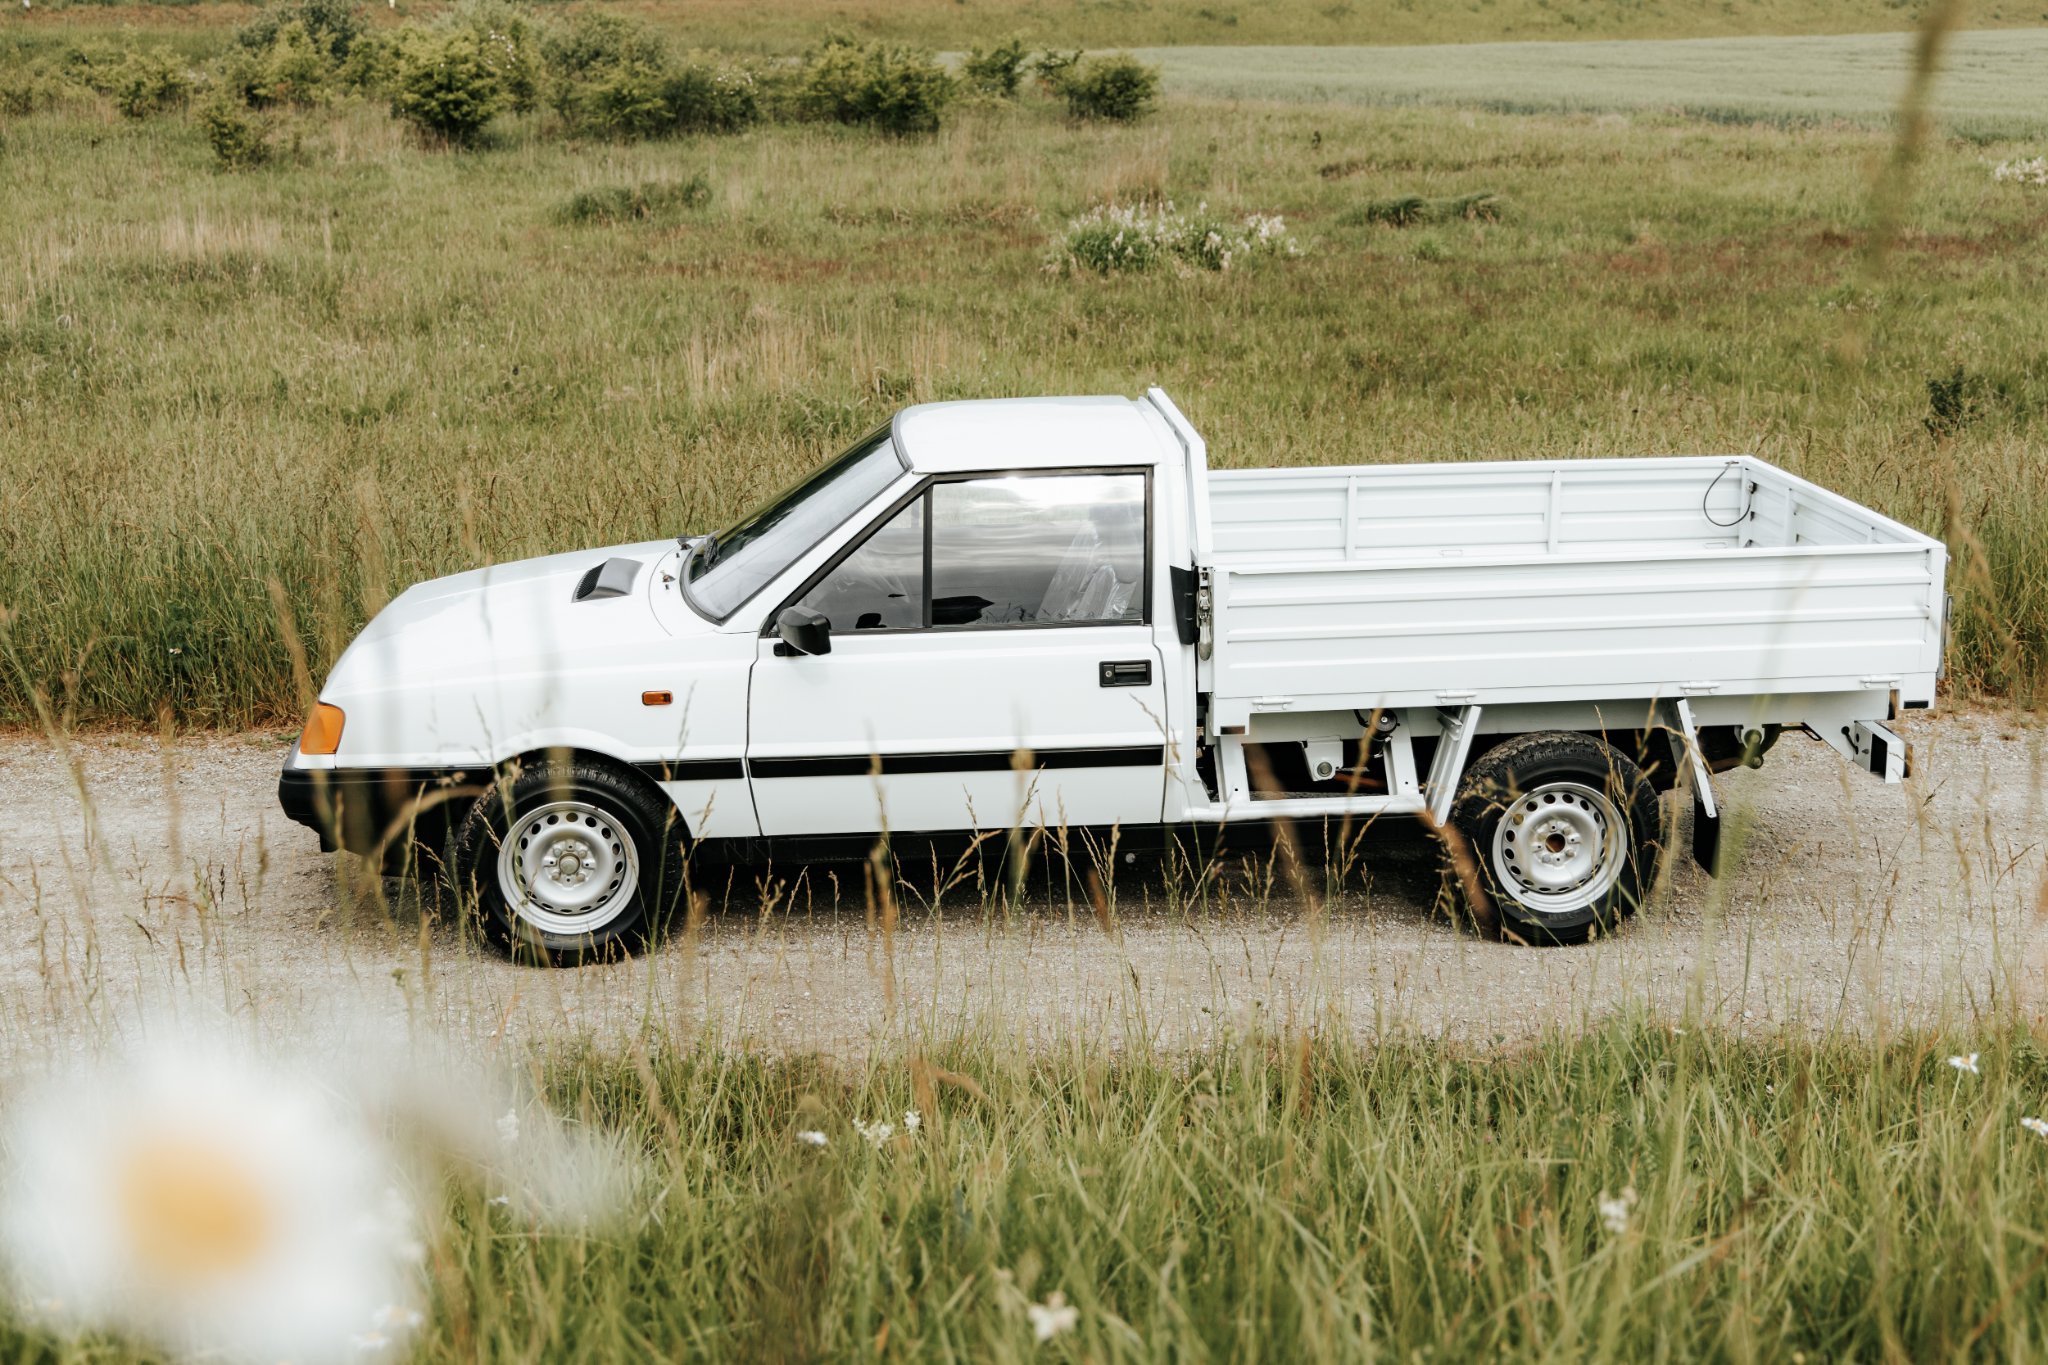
x=1990 y=87
x=790 y=25
x=372 y=361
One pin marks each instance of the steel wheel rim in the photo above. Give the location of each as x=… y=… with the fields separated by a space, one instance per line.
x=1560 y=847
x=568 y=867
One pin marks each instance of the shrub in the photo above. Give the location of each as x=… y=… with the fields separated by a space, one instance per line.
x=445 y=83
x=1053 y=68
x=238 y=138
x=1406 y=210
x=23 y=91
x=296 y=68
x=1116 y=87
x=706 y=96
x=332 y=26
x=1113 y=238
x=894 y=89
x=611 y=77
x=996 y=70
x=149 y=82
x=371 y=64
x=509 y=46
x=1955 y=400
x=594 y=41
x=626 y=203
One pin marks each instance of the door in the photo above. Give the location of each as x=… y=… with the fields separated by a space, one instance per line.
x=992 y=665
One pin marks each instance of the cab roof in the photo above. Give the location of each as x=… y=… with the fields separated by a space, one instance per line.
x=988 y=434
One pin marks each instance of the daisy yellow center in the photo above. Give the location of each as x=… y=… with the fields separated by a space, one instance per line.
x=192 y=1213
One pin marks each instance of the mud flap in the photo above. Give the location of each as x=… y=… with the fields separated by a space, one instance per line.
x=1706 y=812
x=1706 y=836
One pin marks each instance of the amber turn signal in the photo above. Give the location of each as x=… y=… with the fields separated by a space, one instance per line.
x=322 y=734
x=656 y=698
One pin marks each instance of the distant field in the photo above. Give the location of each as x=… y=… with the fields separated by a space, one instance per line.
x=789 y=25
x=1993 y=83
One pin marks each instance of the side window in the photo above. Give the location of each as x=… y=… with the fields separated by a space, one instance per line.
x=1066 y=548
x=880 y=586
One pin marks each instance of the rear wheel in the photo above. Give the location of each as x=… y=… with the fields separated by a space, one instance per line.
x=1562 y=833
x=569 y=861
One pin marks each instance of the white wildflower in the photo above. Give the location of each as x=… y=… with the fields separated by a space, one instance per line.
x=210 y=1200
x=1053 y=1317
x=1966 y=1062
x=501 y=1201
x=2034 y=172
x=508 y=1127
x=1614 y=1212
x=2038 y=1127
x=811 y=1137
x=877 y=1132
x=912 y=1120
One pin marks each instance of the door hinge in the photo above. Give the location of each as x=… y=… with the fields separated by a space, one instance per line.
x=1205 y=612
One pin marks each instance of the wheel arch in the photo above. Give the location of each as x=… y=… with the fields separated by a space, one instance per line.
x=637 y=773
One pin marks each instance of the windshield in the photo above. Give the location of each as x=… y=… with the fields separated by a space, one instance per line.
x=735 y=564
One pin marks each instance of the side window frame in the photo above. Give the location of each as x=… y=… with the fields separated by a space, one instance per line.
x=923 y=490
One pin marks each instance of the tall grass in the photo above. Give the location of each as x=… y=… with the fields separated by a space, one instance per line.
x=372 y=362
x=1284 y=1198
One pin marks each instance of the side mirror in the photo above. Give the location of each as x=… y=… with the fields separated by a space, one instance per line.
x=803 y=631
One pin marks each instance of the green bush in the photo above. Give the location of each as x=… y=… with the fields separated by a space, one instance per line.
x=370 y=66
x=594 y=42
x=446 y=84
x=296 y=68
x=628 y=203
x=897 y=90
x=1115 y=87
x=995 y=70
x=1053 y=68
x=239 y=139
x=149 y=82
x=611 y=77
x=706 y=96
x=332 y=26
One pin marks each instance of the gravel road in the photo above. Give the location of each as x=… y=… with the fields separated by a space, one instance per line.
x=135 y=878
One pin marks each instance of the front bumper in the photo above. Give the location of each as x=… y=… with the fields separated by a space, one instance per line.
x=372 y=810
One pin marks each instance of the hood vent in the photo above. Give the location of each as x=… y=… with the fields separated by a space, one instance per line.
x=613 y=578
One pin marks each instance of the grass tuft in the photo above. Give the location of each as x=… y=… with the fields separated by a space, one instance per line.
x=635 y=203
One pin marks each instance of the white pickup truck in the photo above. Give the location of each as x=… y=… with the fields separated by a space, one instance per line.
x=1009 y=614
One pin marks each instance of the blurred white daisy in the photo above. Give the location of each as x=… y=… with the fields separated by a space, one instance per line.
x=1614 y=1213
x=912 y=1120
x=811 y=1137
x=1966 y=1062
x=2038 y=1127
x=877 y=1132
x=198 y=1196
x=1053 y=1317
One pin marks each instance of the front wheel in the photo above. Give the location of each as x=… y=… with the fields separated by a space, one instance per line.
x=568 y=860
x=1562 y=831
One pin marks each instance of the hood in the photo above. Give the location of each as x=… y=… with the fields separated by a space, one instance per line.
x=509 y=618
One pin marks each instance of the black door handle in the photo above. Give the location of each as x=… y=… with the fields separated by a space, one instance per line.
x=1126 y=673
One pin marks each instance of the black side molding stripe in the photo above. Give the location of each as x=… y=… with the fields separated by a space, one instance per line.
x=695 y=770
x=983 y=761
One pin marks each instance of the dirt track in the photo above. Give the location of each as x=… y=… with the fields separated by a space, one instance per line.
x=1854 y=903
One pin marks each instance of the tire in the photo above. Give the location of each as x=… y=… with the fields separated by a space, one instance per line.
x=1589 y=814
x=568 y=861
